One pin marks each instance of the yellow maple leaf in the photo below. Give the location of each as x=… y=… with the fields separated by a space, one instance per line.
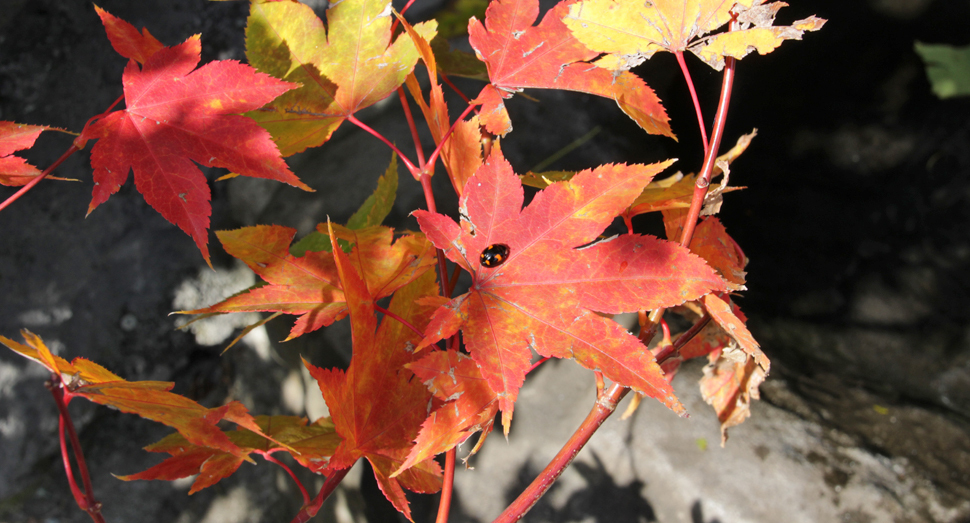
x=757 y=32
x=631 y=32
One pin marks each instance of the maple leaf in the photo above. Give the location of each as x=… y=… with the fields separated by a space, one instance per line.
x=175 y=116
x=712 y=243
x=548 y=56
x=310 y=445
x=631 y=32
x=730 y=382
x=455 y=62
x=14 y=170
x=347 y=66
x=757 y=32
x=148 y=399
x=672 y=192
x=462 y=152
x=734 y=327
x=469 y=405
x=544 y=295
x=377 y=407
x=308 y=285
x=126 y=40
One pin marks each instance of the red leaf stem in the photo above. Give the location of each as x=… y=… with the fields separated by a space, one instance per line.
x=411 y=167
x=454 y=280
x=306 y=496
x=444 y=505
x=693 y=97
x=71 y=150
x=673 y=349
x=404 y=322
x=437 y=151
x=85 y=500
x=536 y=364
x=81 y=143
x=414 y=128
x=68 y=469
x=402 y=11
x=704 y=178
x=429 y=201
x=75 y=147
x=448 y=82
x=310 y=510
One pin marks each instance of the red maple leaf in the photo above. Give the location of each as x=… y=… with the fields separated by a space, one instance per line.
x=544 y=295
x=377 y=406
x=176 y=116
x=548 y=56
x=14 y=170
x=126 y=40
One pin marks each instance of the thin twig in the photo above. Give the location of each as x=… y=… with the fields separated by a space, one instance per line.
x=704 y=177
x=605 y=405
x=703 y=181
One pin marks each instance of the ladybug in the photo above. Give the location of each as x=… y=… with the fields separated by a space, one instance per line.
x=494 y=255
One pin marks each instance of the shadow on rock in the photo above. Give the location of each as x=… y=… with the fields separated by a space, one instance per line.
x=602 y=498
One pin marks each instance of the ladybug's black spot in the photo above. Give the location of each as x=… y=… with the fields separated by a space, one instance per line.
x=494 y=255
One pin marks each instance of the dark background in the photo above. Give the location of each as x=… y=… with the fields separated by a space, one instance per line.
x=855 y=221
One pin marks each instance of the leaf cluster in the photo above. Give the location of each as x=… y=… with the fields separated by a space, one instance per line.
x=432 y=368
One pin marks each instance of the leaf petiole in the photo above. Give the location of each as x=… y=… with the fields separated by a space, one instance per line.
x=693 y=97
x=30 y=185
x=309 y=510
x=414 y=170
x=401 y=320
x=269 y=457
x=414 y=128
x=85 y=500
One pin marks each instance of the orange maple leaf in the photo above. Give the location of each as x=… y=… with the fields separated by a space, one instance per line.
x=469 y=405
x=542 y=293
x=148 y=399
x=376 y=405
x=308 y=285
